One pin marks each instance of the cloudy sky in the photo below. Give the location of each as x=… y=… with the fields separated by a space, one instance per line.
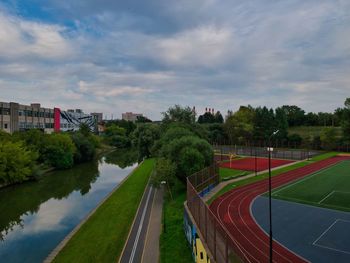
x=144 y=56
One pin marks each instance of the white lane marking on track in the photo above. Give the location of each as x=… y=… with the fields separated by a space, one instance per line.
x=140 y=227
x=258 y=185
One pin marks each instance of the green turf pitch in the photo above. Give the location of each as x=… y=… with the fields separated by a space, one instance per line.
x=329 y=188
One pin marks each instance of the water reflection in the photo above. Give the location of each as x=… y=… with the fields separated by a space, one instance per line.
x=36 y=216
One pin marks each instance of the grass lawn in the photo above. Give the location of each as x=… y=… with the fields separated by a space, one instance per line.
x=274 y=173
x=227 y=173
x=328 y=188
x=174 y=247
x=102 y=237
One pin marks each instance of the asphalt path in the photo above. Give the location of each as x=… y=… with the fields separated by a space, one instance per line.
x=133 y=249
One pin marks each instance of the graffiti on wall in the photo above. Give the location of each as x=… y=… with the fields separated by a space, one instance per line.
x=199 y=253
x=71 y=121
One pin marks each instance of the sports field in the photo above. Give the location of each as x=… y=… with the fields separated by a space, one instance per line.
x=329 y=188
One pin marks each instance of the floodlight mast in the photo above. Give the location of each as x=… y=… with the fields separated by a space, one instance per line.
x=270 y=149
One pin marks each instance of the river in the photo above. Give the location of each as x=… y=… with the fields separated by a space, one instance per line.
x=36 y=216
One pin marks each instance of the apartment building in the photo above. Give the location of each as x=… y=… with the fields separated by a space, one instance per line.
x=17 y=117
x=130 y=116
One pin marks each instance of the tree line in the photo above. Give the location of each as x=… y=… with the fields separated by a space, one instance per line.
x=24 y=155
x=255 y=125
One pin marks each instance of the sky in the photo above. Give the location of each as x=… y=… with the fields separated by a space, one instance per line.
x=114 y=56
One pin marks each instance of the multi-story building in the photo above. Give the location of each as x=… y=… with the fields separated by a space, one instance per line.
x=71 y=120
x=17 y=117
x=129 y=116
x=98 y=116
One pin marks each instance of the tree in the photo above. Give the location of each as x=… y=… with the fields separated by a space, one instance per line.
x=117 y=136
x=172 y=133
x=218 y=117
x=142 y=119
x=144 y=138
x=164 y=172
x=239 y=127
x=59 y=151
x=84 y=129
x=281 y=124
x=264 y=123
x=195 y=147
x=345 y=121
x=295 y=115
x=328 y=138
x=179 y=114
x=295 y=139
x=85 y=149
x=16 y=162
x=207 y=117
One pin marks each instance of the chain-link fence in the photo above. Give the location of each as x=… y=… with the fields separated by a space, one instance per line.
x=222 y=246
x=223 y=152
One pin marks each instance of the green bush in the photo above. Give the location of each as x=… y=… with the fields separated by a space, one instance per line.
x=85 y=148
x=186 y=149
x=16 y=162
x=59 y=151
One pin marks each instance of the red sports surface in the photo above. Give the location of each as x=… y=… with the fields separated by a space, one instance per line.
x=233 y=211
x=248 y=164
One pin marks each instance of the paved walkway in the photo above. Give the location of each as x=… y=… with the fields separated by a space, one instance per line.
x=133 y=249
x=143 y=241
x=151 y=250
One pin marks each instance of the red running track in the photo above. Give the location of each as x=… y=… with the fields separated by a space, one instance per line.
x=233 y=211
x=248 y=164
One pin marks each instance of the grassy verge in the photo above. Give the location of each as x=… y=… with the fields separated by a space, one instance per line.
x=274 y=173
x=102 y=237
x=174 y=247
x=227 y=173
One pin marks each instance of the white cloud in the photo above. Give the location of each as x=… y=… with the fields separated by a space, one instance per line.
x=21 y=38
x=212 y=53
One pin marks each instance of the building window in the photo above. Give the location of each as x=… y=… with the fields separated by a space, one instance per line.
x=4 y=111
x=201 y=255
x=5 y=125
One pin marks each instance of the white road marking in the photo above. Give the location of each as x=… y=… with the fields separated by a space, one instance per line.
x=140 y=227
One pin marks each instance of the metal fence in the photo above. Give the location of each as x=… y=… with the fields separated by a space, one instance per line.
x=278 y=153
x=222 y=246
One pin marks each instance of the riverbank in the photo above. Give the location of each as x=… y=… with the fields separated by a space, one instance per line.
x=101 y=238
x=44 y=170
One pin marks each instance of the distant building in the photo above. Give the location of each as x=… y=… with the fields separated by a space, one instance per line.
x=129 y=116
x=71 y=120
x=18 y=117
x=98 y=116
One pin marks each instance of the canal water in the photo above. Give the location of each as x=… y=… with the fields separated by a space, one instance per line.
x=36 y=216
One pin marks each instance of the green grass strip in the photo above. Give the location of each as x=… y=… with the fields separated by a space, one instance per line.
x=227 y=173
x=174 y=247
x=102 y=237
x=274 y=173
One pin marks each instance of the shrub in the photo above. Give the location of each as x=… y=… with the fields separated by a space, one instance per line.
x=16 y=162
x=59 y=151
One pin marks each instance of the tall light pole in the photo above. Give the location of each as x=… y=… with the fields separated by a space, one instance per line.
x=270 y=149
